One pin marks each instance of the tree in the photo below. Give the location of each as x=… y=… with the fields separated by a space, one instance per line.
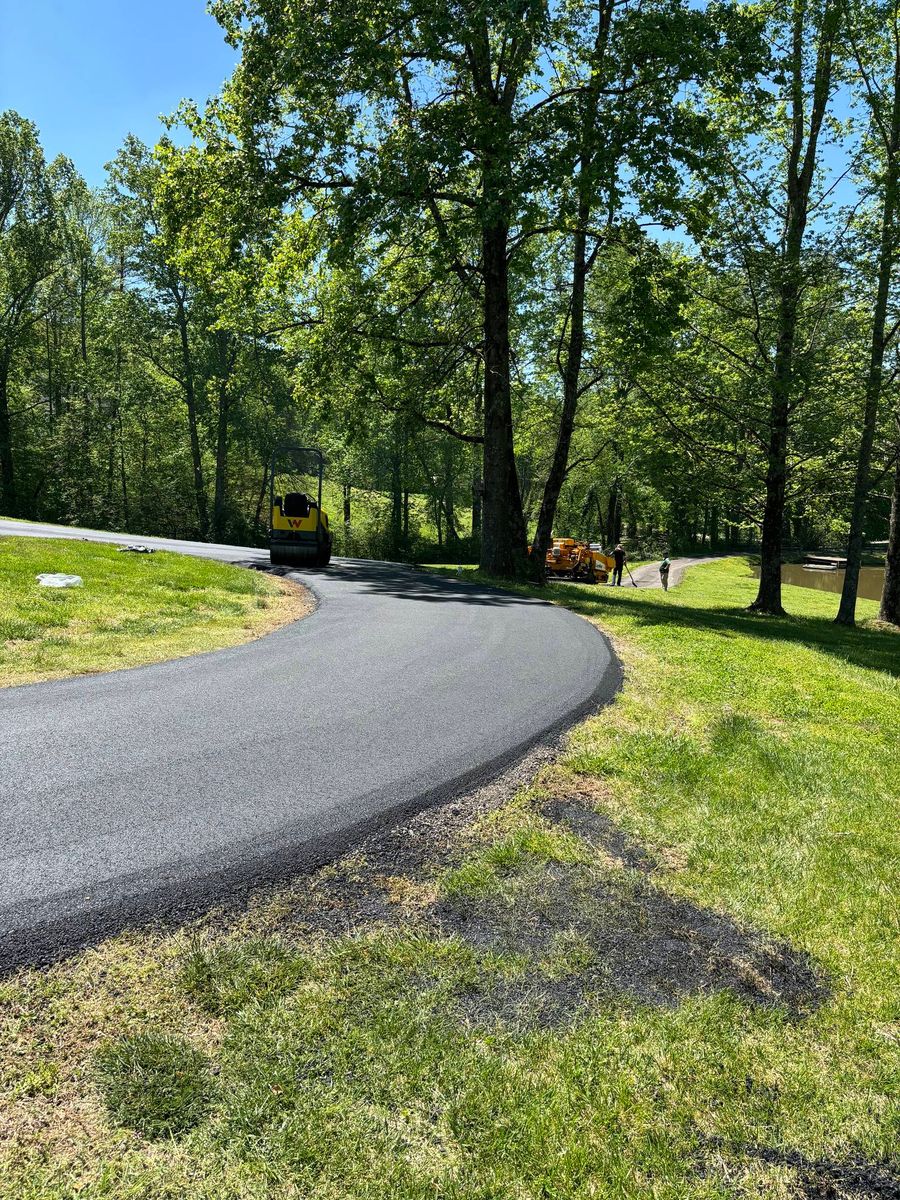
x=406 y=113
x=631 y=120
x=135 y=178
x=876 y=52
x=890 y=596
x=758 y=223
x=809 y=79
x=29 y=252
x=455 y=117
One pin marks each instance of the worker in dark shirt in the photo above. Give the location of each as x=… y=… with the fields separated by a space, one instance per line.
x=620 y=558
x=664 y=567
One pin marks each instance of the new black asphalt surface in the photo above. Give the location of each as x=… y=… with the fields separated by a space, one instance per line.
x=162 y=790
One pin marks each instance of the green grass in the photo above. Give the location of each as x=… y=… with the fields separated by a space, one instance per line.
x=159 y=1086
x=755 y=762
x=131 y=609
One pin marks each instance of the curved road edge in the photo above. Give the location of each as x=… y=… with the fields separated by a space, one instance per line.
x=177 y=902
x=170 y=899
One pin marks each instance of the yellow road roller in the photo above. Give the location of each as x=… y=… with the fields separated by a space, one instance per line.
x=298 y=525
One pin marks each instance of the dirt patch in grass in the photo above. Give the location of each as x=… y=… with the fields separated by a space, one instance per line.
x=298 y=602
x=391 y=877
x=825 y=1179
x=633 y=940
x=595 y=924
x=575 y=809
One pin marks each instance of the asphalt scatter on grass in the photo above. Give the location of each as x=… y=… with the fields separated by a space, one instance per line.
x=585 y=932
x=629 y=938
x=351 y=895
x=827 y=1179
x=576 y=813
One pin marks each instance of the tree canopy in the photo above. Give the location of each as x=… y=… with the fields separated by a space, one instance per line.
x=619 y=270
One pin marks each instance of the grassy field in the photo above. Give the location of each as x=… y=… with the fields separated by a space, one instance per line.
x=131 y=609
x=669 y=969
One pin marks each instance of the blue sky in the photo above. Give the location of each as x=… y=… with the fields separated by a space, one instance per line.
x=88 y=72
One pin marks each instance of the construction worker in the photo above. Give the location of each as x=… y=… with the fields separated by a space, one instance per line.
x=664 y=573
x=619 y=558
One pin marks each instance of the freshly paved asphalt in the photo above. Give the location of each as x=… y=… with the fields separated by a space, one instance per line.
x=162 y=790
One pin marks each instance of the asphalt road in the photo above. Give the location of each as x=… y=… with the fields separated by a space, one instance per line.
x=162 y=790
x=648 y=576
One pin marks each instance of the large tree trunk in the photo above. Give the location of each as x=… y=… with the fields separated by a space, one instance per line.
x=571 y=376
x=875 y=375
x=581 y=265
x=768 y=599
x=8 y=492
x=503 y=547
x=862 y=486
x=890 y=596
x=801 y=166
x=221 y=460
x=477 y=482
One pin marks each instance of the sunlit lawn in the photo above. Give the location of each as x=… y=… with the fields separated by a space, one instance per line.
x=131 y=609
x=587 y=1042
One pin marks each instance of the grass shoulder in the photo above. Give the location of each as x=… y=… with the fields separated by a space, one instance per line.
x=668 y=966
x=132 y=609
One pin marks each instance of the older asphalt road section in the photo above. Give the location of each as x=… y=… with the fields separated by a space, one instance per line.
x=160 y=790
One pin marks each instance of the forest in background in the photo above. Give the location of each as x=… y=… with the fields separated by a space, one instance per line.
x=625 y=269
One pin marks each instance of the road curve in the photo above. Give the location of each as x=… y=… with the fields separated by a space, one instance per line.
x=161 y=790
x=648 y=576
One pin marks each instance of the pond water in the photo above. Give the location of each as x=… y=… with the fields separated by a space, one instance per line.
x=871 y=579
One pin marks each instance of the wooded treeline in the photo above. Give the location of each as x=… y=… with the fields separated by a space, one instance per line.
x=620 y=269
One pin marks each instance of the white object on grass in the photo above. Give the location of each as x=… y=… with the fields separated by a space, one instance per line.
x=49 y=579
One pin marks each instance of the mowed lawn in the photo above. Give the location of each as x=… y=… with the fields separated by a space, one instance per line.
x=131 y=609
x=669 y=969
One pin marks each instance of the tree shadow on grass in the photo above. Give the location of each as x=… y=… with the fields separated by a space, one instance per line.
x=873 y=648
